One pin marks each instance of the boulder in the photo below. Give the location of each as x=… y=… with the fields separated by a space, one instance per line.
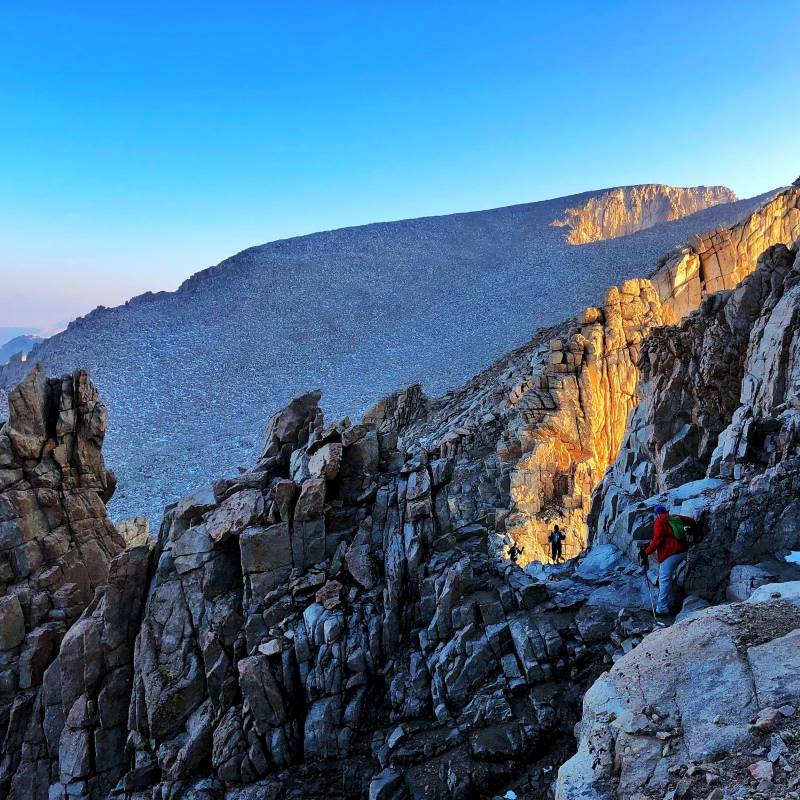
x=12 y=623
x=326 y=461
x=698 y=685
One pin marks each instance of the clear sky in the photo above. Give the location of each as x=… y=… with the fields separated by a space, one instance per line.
x=140 y=142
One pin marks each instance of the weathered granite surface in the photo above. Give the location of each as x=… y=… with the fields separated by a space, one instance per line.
x=319 y=626
x=534 y=434
x=708 y=705
x=56 y=541
x=628 y=209
x=340 y=619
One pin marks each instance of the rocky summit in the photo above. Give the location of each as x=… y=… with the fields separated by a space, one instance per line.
x=346 y=618
x=190 y=376
x=628 y=209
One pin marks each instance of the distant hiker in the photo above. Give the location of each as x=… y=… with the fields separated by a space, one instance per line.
x=555 y=538
x=670 y=543
x=515 y=551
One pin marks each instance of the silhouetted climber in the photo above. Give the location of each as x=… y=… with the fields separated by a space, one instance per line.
x=670 y=543
x=556 y=551
x=515 y=551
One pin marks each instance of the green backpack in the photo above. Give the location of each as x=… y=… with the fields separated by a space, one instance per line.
x=678 y=528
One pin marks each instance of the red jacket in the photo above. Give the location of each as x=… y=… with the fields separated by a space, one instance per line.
x=664 y=542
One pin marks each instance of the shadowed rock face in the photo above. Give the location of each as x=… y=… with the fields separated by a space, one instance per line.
x=628 y=209
x=319 y=626
x=56 y=542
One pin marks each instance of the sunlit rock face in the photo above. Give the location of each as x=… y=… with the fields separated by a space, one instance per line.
x=628 y=209
x=717 y=431
x=720 y=259
x=591 y=374
x=575 y=394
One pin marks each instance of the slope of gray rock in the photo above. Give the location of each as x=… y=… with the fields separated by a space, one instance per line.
x=189 y=376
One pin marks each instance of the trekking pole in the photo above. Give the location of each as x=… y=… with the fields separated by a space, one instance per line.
x=643 y=562
x=650 y=594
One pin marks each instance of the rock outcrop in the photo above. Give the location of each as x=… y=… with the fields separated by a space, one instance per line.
x=534 y=435
x=717 y=431
x=340 y=620
x=628 y=209
x=320 y=624
x=56 y=542
x=721 y=259
x=707 y=708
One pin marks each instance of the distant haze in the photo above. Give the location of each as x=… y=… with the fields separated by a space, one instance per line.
x=7 y=334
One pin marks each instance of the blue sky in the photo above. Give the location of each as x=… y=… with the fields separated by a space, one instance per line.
x=142 y=142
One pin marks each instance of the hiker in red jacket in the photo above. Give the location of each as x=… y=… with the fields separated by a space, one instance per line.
x=670 y=544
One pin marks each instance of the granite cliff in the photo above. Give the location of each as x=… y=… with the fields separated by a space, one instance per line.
x=341 y=619
x=628 y=209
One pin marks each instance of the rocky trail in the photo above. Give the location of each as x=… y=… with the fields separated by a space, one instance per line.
x=342 y=619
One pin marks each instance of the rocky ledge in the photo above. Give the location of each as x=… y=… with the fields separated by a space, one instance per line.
x=706 y=709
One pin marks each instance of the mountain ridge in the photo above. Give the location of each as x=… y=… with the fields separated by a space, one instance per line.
x=246 y=335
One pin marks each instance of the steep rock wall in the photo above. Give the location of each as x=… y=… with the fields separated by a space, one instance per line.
x=56 y=542
x=717 y=432
x=321 y=626
x=628 y=209
x=531 y=437
x=721 y=259
x=334 y=621
x=564 y=447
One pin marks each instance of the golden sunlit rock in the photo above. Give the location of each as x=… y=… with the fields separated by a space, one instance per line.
x=591 y=375
x=625 y=210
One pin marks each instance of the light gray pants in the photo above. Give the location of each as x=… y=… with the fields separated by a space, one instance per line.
x=667 y=591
